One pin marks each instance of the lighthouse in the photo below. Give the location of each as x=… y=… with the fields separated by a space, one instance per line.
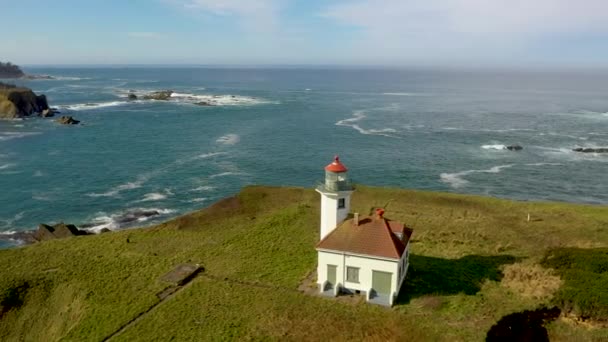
x=335 y=192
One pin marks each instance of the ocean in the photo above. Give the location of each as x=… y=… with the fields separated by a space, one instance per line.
x=135 y=163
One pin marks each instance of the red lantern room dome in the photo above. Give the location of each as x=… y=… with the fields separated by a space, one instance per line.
x=336 y=166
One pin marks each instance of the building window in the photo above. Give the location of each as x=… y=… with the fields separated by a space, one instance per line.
x=352 y=274
x=341 y=203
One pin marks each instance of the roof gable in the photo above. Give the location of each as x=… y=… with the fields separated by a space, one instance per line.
x=374 y=236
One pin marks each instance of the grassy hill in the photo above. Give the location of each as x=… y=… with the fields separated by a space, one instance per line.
x=474 y=260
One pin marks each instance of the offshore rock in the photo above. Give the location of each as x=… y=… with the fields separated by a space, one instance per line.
x=132 y=97
x=67 y=120
x=514 y=148
x=162 y=95
x=591 y=150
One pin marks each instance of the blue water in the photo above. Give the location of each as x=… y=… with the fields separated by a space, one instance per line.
x=432 y=130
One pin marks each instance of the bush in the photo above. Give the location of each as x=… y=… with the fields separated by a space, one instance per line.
x=585 y=276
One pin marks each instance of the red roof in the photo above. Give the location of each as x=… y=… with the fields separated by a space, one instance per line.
x=374 y=236
x=336 y=166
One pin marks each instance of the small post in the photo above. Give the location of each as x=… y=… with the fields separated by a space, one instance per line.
x=528 y=217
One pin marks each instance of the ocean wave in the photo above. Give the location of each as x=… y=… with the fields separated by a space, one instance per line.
x=401 y=94
x=229 y=139
x=220 y=100
x=93 y=106
x=456 y=180
x=4 y=136
x=10 y=222
x=209 y=155
x=153 y=196
x=203 y=188
x=6 y=166
x=359 y=115
x=198 y=200
x=122 y=187
x=224 y=174
x=124 y=219
x=494 y=147
x=69 y=78
x=506 y=130
x=572 y=156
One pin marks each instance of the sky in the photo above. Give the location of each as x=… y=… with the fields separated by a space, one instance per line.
x=410 y=33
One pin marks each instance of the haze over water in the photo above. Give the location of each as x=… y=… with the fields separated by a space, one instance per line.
x=431 y=130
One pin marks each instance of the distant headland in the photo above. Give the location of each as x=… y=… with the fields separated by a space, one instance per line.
x=10 y=70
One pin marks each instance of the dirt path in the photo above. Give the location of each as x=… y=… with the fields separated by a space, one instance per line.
x=142 y=315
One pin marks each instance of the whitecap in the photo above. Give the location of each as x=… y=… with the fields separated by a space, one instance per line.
x=124 y=218
x=5 y=136
x=401 y=94
x=122 y=187
x=153 y=196
x=9 y=222
x=360 y=115
x=224 y=174
x=6 y=166
x=456 y=180
x=204 y=188
x=228 y=139
x=93 y=106
x=494 y=147
x=198 y=200
x=209 y=155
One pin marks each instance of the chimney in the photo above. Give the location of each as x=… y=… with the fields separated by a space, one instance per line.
x=356 y=219
x=380 y=213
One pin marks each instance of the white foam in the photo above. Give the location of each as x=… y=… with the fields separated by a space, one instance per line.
x=198 y=200
x=209 y=155
x=204 y=188
x=401 y=94
x=9 y=232
x=9 y=222
x=228 y=139
x=6 y=166
x=4 y=136
x=544 y=164
x=38 y=173
x=68 y=78
x=224 y=174
x=494 y=147
x=456 y=180
x=93 y=106
x=122 y=187
x=360 y=115
x=112 y=222
x=153 y=196
x=219 y=100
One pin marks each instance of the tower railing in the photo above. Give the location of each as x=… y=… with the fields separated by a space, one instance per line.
x=335 y=186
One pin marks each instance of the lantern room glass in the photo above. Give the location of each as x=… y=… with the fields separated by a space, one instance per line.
x=337 y=181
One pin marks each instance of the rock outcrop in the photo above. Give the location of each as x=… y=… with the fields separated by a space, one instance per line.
x=58 y=231
x=17 y=102
x=132 y=97
x=514 y=148
x=163 y=95
x=67 y=120
x=204 y=103
x=591 y=150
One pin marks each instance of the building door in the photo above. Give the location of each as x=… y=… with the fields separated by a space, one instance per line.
x=331 y=276
x=381 y=283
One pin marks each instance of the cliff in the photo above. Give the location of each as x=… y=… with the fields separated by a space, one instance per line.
x=17 y=102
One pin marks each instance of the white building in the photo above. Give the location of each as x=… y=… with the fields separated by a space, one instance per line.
x=363 y=255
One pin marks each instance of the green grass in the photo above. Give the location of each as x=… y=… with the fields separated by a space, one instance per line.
x=256 y=249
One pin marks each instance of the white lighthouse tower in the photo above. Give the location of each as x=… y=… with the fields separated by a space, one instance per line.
x=335 y=196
